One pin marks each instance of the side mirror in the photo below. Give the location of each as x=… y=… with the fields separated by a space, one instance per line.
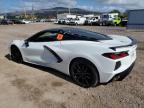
x=26 y=43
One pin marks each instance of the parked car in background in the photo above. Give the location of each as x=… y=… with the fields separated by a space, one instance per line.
x=117 y=21
x=16 y=21
x=45 y=20
x=72 y=22
x=36 y=20
x=56 y=21
x=80 y=21
x=42 y=20
x=6 y=22
x=93 y=21
x=105 y=20
x=124 y=21
x=68 y=20
x=61 y=21
x=26 y=21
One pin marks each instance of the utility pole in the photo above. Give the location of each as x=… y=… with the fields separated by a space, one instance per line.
x=25 y=13
x=5 y=15
x=57 y=14
x=32 y=12
x=69 y=11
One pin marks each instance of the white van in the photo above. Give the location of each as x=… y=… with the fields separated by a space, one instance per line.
x=80 y=21
x=94 y=20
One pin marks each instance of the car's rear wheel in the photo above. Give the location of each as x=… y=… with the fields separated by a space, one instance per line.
x=84 y=73
x=16 y=55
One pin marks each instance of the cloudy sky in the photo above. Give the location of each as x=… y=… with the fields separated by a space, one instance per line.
x=96 y=5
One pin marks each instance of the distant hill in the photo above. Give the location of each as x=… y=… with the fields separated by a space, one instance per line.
x=52 y=12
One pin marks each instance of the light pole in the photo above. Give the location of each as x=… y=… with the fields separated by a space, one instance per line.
x=69 y=11
x=33 y=16
x=25 y=13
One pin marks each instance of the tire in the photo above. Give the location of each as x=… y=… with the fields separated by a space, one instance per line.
x=104 y=24
x=16 y=55
x=101 y=24
x=84 y=73
x=115 y=24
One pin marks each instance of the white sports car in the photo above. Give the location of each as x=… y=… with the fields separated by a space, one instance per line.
x=88 y=57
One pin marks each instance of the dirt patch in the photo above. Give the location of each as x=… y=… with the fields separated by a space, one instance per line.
x=28 y=92
x=31 y=93
x=51 y=104
x=141 y=46
x=57 y=84
x=22 y=86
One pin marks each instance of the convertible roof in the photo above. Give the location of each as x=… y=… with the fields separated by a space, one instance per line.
x=67 y=29
x=80 y=34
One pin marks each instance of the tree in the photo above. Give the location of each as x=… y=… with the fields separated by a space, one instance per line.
x=124 y=15
x=121 y=14
x=115 y=11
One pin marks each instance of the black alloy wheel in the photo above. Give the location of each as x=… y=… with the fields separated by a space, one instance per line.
x=16 y=55
x=84 y=73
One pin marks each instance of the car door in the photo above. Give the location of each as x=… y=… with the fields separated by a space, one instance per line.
x=42 y=48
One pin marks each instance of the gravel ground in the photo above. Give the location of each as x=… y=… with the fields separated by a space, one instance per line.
x=25 y=86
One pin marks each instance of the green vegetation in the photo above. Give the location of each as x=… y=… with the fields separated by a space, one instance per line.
x=115 y=11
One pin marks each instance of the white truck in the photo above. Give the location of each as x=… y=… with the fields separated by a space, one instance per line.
x=107 y=19
x=26 y=21
x=93 y=20
x=80 y=21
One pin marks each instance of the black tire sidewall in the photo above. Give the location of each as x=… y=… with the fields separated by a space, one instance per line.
x=16 y=55
x=93 y=71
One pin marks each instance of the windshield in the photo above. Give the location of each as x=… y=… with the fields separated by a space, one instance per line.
x=105 y=16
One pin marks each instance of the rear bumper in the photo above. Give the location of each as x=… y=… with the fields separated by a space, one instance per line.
x=119 y=74
x=123 y=74
x=110 y=68
x=71 y=23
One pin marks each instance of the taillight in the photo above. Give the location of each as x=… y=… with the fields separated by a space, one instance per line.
x=115 y=56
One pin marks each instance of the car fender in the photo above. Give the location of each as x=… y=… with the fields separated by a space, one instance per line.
x=18 y=44
x=92 y=59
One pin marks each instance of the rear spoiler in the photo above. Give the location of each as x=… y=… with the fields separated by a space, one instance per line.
x=134 y=42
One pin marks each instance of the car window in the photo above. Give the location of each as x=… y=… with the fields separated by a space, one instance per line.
x=75 y=34
x=105 y=16
x=46 y=37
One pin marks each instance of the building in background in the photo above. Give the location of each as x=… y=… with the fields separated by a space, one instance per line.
x=2 y=16
x=89 y=16
x=65 y=16
x=135 y=19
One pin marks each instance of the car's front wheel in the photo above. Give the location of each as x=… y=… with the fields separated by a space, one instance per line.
x=84 y=73
x=16 y=54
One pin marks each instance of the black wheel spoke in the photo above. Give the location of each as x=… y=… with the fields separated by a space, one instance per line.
x=16 y=55
x=87 y=82
x=82 y=74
